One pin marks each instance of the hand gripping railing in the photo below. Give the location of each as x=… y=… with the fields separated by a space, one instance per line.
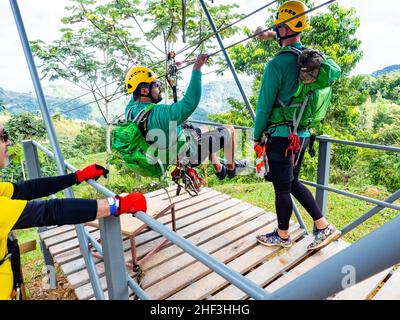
x=228 y=273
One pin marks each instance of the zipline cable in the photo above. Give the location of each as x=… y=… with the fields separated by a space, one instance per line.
x=260 y=32
x=183 y=49
x=225 y=27
x=234 y=44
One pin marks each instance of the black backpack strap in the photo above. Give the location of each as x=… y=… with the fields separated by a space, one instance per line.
x=15 y=257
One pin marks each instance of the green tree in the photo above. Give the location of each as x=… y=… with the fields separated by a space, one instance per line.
x=333 y=33
x=166 y=16
x=94 y=52
x=24 y=126
x=91 y=139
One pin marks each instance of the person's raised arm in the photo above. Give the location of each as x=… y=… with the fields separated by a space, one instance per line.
x=183 y=109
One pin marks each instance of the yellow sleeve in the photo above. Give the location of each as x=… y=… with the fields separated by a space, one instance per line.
x=10 y=211
x=6 y=189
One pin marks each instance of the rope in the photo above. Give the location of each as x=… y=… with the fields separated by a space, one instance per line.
x=224 y=28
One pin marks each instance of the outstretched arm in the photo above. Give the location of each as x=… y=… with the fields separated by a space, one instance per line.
x=42 y=187
x=38 y=213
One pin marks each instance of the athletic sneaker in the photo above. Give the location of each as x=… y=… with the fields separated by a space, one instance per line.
x=240 y=165
x=222 y=174
x=273 y=239
x=323 y=237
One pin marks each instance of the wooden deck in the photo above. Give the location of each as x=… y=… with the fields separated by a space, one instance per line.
x=226 y=228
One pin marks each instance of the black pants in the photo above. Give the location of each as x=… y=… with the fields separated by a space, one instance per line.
x=284 y=178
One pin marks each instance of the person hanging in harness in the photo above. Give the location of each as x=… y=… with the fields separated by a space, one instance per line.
x=166 y=129
x=19 y=211
x=282 y=120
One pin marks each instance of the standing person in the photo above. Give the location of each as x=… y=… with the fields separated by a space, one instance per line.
x=19 y=211
x=171 y=120
x=279 y=84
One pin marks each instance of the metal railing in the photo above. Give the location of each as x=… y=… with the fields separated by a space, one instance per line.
x=108 y=251
x=323 y=172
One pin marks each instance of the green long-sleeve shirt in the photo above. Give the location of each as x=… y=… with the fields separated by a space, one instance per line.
x=279 y=81
x=163 y=115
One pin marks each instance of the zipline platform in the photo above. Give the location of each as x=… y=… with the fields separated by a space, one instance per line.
x=226 y=228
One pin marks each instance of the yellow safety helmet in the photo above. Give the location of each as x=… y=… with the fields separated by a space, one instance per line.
x=289 y=10
x=137 y=75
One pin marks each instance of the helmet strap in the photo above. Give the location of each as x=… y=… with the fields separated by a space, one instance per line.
x=279 y=38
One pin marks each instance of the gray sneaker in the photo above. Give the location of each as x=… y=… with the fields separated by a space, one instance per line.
x=324 y=237
x=273 y=239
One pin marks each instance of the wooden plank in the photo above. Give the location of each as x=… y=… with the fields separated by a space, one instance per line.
x=55 y=231
x=202 y=225
x=245 y=239
x=185 y=217
x=204 y=287
x=311 y=262
x=82 y=276
x=27 y=246
x=68 y=245
x=202 y=204
x=64 y=237
x=227 y=253
x=76 y=265
x=182 y=197
x=391 y=288
x=207 y=235
x=362 y=290
x=268 y=271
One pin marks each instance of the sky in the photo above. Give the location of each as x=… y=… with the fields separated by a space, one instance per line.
x=378 y=32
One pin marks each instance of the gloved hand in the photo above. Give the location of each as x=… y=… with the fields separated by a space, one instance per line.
x=131 y=203
x=93 y=171
x=261 y=164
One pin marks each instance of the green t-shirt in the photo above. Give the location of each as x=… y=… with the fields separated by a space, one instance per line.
x=280 y=80
x=169 y=117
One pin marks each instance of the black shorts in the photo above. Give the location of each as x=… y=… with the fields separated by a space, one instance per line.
x=281 y=169
x=207 y=143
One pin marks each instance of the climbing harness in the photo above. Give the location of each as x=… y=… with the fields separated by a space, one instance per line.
x=172 y=76
x=262 y=166
x=191 y=180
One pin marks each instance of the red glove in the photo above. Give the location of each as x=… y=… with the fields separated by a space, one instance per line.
x=131 y=203
x=93 y=171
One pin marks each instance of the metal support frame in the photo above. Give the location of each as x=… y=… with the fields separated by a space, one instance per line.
x=60 y=163
x=244 y=284
x=368 y=256
x=324 y=160
x=228 y=60
x=33 y=168
x=370 y=213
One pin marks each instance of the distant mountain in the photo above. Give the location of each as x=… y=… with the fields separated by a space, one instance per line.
x=214 y=100
x=215 y=97
x=388 y=69
x=16 y=102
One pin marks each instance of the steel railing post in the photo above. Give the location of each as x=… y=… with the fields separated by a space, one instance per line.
x=33 y=168
x=324 y=160
x=59 y=158
x=228 y=60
